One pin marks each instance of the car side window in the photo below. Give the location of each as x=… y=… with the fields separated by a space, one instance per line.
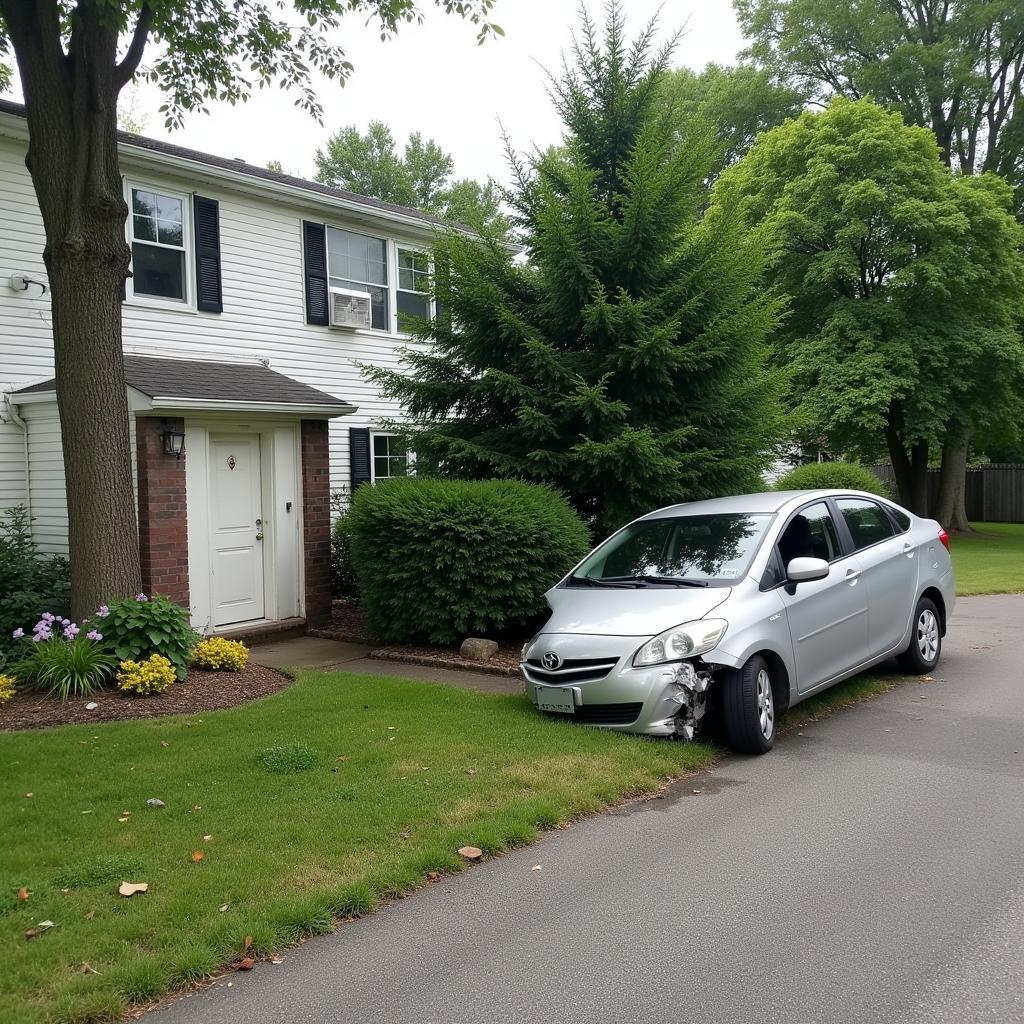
x=867 y=522
x=901 y=517
x=811 y=533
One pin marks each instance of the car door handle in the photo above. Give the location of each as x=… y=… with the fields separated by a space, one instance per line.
x=908 y=549
x=852 y=575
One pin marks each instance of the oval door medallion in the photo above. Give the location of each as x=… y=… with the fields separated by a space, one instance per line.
x=231 y=462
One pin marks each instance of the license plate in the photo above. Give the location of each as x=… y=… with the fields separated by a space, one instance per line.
x=555 y=698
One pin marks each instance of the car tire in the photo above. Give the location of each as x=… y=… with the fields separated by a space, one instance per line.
x=925 y=649
x=748 y=707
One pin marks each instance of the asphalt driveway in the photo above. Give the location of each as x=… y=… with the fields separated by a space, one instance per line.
x=871 y=868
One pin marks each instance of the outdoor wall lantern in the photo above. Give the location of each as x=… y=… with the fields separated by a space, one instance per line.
x=174 y=443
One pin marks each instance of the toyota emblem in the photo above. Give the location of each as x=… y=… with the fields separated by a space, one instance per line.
x=550 y=661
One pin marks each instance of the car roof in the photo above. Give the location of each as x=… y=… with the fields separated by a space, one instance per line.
x=762 y=502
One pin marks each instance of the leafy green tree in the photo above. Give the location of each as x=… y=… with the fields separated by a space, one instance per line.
x=955 y=67
x=906 y=283
x=420 y=176
x=623 y=361
x=737 y=102
x=74 y=57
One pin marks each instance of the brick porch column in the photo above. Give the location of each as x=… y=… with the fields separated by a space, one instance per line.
x=316 y=524
x=163 y=523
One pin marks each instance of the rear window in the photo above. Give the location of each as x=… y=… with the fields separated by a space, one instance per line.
x=867 y=522
x=712 y=548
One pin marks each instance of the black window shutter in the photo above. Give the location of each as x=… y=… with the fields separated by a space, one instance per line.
x=207 y=223
x=314 y=258
x=359 y=455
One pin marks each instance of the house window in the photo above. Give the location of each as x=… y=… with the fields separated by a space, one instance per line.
x=359 y=263
x=390 y=457
x=159 y=244
x=413 y=294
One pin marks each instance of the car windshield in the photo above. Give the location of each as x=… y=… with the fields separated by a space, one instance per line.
x=699 y=549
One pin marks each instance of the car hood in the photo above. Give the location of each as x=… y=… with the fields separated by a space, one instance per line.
x=621 y=612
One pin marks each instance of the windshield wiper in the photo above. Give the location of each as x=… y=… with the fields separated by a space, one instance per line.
x=619 y=583
x=670 y=581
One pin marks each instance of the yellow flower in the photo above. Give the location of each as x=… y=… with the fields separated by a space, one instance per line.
x=6 y=688
x=154 y=675
x=216 y=653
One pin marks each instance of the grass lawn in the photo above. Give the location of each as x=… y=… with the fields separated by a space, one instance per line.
x=313 y=804
x=990 y=561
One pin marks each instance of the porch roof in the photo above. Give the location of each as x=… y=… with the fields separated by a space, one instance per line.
x=193 y=384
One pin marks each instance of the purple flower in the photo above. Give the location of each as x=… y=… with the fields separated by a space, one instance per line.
x=42 y=632
x=64 y=622
x=47 y=617
x=141 y=597
x=70 y=631
x=18 y=633
x=40 y=637
x=103 y=612
x=93 y=635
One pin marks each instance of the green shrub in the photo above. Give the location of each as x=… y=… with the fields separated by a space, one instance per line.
x=343 y=573
x=140 y=626
x=442 y=559
x=847 y=475
x=29 y=582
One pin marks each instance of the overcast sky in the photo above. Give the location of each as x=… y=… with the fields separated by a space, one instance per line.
x=435 y=79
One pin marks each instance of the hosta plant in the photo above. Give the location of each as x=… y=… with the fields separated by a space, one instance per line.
x=140 y=626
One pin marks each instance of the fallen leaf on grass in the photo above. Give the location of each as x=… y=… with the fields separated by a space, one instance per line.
x=471 y=852
x=247 y=945
x=23 y=893
x=433 y=876
x=277 y=960
x=197 y=856
x=223 y=907
x=164 y=743
x=246 y=964
x=34 y=933
x=131 y=888
x=90 y=915
x=404 y=835
x=85 y=968
x=926 y=679
x=27 y=795
x=471 y=771
x=122 y=820
x=206 y=839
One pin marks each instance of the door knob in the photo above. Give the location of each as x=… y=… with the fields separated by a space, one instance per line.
x=259 y=536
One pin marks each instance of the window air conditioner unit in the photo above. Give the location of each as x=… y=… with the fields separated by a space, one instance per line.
x=349 y=309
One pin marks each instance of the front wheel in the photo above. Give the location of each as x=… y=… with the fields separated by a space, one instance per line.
x=748 y=707
x=925 y=640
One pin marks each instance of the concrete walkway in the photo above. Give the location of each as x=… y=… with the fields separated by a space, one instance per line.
x=336 y=655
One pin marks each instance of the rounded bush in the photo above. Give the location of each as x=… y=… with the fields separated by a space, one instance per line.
x=438 y=560
x=7 y=684
x=154 y=675
x=846 y=475
x=216 y=653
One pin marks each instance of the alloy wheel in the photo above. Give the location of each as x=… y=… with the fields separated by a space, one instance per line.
x=928 y=635
x=765 y=705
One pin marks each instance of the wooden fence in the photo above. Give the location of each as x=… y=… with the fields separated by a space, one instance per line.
x=995 y=493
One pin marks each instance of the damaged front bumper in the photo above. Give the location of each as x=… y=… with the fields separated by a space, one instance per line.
x=607 y=691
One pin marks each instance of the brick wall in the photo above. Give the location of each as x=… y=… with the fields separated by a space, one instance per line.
x=163 y=525
x=316 y=525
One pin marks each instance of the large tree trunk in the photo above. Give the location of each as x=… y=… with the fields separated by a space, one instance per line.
x=951 y=507
x=911 y=471
x=71 y=100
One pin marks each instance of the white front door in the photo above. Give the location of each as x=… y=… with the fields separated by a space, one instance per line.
x=236 y=555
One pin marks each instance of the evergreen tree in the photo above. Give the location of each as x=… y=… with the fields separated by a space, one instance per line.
x=623 y=360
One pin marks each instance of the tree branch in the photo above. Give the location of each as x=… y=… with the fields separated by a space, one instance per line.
x=125 y=71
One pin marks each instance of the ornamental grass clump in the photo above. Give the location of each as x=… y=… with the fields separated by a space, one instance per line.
x=218 y=654
x=154 y=675
x=61 y=659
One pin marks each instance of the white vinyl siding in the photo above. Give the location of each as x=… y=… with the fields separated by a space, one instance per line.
x=264 y=308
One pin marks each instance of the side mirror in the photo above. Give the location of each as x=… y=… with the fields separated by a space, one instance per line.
x=802 y=570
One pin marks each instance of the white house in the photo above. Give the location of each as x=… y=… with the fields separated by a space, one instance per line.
x=254 y=297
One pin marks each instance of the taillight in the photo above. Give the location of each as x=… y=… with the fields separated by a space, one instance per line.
x=944 y=538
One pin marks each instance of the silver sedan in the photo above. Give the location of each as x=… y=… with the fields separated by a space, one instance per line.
x=758 y=601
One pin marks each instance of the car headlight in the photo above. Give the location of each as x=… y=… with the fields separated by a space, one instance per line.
x=686 y=641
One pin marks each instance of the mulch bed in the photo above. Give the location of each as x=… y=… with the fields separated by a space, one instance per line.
x=199 y=691
x=504 y=663
x=348 y=624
